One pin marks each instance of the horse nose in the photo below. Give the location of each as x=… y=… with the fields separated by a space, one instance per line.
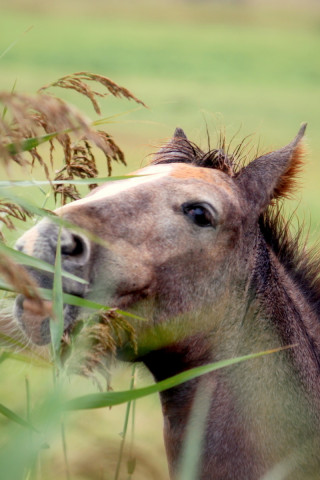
x=41 y=241
x=74 y=247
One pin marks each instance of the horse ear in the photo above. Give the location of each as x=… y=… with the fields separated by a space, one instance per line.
x=178 y=134
x=172 y=148
x=273 y=175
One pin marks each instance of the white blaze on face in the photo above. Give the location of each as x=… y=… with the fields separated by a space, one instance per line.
x=145 y=175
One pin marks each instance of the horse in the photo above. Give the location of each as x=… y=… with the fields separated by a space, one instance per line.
x=196 y=243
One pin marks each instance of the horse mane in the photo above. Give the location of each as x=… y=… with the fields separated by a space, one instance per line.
x=300 y=262
x=181 y=150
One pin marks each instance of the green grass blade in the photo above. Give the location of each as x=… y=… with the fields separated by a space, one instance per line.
x=110 y=119
x=33 y=142
x=28 y=399
x=57 y=322
x=108 y=399
x=125 y=428
x=36 y=360
x=14 y=42
x=29 y=206
x=47 y=294
x=41 y=212
x=65 y=450
x=131 y=462
x=5 y=109
x=7 y=342
x=29 y=143
x=85 y=303
x=6 y=287
x=5 y=339
x=80 y=181
x=29 y=261
x=196 y=429
x=16 y=418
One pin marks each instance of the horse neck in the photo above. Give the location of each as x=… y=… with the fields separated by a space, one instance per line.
x=288 y=311
x=268 y=311
x=196 y=349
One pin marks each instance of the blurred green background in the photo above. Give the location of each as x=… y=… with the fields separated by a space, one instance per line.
x=242 y=65
x=251 y=67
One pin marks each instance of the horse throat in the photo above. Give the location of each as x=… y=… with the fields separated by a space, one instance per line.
x=282 y=387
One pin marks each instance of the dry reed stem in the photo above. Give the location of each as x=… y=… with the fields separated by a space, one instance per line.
x=91 y=346
x=10 y=210
x=77 y=81
x=31 y=120
x=30 y=117
x=19 y=278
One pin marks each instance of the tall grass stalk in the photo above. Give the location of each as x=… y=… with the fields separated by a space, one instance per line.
x=108 y=399
x=16 y=418
x=79 y=162
x=57 y=322
x=15 y=42
x=32 y=473
x=5 y=108
x=65 y=450
x=196 y=430
x=28 y=405
x=125 y=427
x=131 y=464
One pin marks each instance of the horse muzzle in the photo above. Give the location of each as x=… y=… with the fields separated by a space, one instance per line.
x=41 y=242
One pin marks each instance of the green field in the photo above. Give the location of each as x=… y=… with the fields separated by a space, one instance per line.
x=233 y=65
x=239 y=67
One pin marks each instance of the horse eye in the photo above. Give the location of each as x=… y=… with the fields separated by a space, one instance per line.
x=199 y=214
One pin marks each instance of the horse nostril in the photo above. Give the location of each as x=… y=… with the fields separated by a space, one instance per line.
x=74 y=247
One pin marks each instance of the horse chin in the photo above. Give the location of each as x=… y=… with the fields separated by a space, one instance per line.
x=34 y=318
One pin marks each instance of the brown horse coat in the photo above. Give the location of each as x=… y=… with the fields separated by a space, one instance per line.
x=194 y=246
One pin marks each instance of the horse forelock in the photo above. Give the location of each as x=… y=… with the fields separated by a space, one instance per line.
x=182 y=150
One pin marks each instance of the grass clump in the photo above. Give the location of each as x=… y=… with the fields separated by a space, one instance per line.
x=78 y=82
x=31 y=120
x=90 y=347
